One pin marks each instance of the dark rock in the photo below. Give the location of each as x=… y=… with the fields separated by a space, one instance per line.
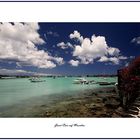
x=104 y=100
x=43 y=106
x=132 y=111
x=120 y=111
x=94 y=93
x=98 y=100
x=112 y=104
x=105 y=115
x=48 y=114
x=91 y=106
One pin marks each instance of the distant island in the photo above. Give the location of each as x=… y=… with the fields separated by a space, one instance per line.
x=28 y=76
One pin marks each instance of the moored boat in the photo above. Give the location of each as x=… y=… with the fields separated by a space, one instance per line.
x=83 y=81
x=80 y=81
x=106 y=83
x=36 y=79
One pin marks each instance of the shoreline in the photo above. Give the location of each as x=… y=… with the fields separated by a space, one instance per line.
x=90 y=103
x=102 y=102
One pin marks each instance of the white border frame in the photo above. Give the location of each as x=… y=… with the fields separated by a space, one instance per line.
x=69 y=12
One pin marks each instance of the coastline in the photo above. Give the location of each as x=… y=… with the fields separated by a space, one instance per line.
x=102 y=102
x=90 y=103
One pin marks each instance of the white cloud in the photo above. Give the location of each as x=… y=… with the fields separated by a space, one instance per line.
x=123 y=57
x=113 y=51
x=91 y=49
x=132 y=57
x=114 y=60
x=95 y=49
x=19 y=72
x=74 y=63
x=59 y=60
x=18 y=65
x=136 y=40
x=76 y=35
x=54 y=34
x=103 y=59
x=18 y=42
x=65 y=45
x=61 y=44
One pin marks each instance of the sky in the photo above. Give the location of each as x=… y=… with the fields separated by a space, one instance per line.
x=67 y=48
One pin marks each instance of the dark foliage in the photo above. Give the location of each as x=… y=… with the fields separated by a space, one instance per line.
x=129 y=82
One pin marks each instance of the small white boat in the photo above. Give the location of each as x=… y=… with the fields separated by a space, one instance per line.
x=81 y=81
x=36 y=79
x=105 y=78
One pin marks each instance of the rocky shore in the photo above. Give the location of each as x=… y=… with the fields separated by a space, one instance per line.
x=103 y=102
x=94 y=103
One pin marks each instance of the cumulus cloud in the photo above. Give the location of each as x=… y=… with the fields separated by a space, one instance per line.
x=18 y=42
x=76 y=35
x=91 y=49
x=74 y=63
x=113 y=51
x=124 y=57
x=59 y=60
x=136 y=40
x=63 y=45
x=114 y=60
x=103 y=59
x=132 y=57
x=95 y=49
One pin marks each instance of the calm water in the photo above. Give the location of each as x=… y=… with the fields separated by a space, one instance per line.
x=14 y=91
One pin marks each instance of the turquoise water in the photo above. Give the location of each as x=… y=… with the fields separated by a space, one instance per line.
x=13 y=91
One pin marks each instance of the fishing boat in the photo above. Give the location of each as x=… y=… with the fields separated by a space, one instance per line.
x=106 y=83
x=103 y=83
x=92 y=82
x=80 y=81
x=83 y=81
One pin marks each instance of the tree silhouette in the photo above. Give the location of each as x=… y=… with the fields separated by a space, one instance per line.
x=129 y=82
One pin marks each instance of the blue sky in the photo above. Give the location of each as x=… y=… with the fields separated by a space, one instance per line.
x=67 y=48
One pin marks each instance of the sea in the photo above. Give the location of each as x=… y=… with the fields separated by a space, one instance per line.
x=21 y=92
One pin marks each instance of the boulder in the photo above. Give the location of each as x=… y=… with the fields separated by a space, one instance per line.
x=112 y=103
